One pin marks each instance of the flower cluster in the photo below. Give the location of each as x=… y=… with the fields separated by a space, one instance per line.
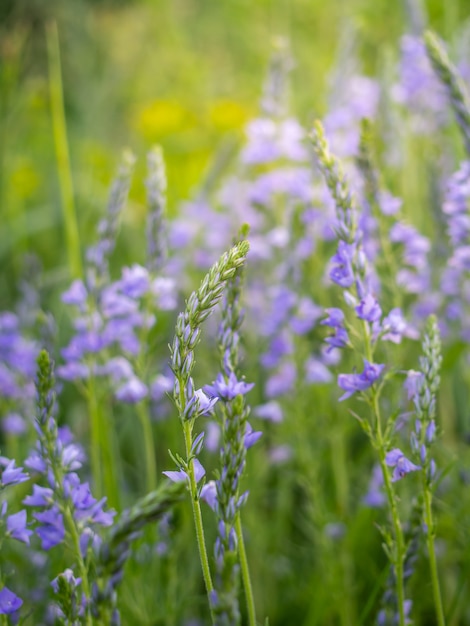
x=17 y=367
x=455 y=275
x=121 y=315
x=418 y=89
x=67 y=509
x=237 y=436
x=12 y=526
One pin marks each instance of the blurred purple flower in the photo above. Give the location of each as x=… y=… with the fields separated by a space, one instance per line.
x=135 y=281
x=14 y=424
x=270 y=411
x=132 y=391
x=342 y=272
x=369 y=309
x=76 y=294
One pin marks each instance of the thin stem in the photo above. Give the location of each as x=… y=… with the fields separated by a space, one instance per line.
x=103 y=461
x=150 y=461
x=432 y=553
x=197 y=515
x=72 y=237
x=81 y=564
x=399 y=540
x=379 y=442
x=250 y=601
x=95 y=452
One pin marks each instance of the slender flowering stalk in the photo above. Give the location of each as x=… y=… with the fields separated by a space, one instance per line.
x=188 y=402
x=350 y=271
x=386 y=260
x=337 y=184
x=96 y=300
x=450 y=78
x=60 y=517
x=274 y=101
x=98 y=255
x=156 y=199
x=422 y=440
x=227 y=502
x=11 y=526
x=69 y=511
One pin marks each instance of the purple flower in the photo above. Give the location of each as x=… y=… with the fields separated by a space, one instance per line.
x=117 y=368
x=342 y=273
x=132 y=391
x=251 y=437
x=389 y=205
x=52 y=531
x=14 y=424
x=339 y=340
x=115 y=304
x=42 y=496
x=430 y=431
x=413 y=383
x=281 y=381
x=11 y=475
x=369 y=309
x=73 y=370
x=306 y=316
x=375 y=497
x=73 y=457
x=16 y=527
x=181 y=476
x=402 y=466
x=36 y=463
x=396 y=327
x=9 y=603
x=205 y=403
x=228 y=390
x=316 y=372
x=335 y=318
x=76 y=294
x=68 y=575
x=350 y=383
x=135 y=281
x=270 y=411
x=209 y=494
x=161 y=385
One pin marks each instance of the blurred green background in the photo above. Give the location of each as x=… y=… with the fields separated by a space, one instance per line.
x=184 y=73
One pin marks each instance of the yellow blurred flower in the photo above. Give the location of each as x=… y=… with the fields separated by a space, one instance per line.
x=225 y=115
x=162 y=117
x=24 y=180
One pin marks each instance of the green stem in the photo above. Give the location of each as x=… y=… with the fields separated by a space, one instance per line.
x=380 y=444
x=150 y=461
x=103 y=461
x=399 y=540
x=81 y=564
x=95 y=452
x=432 y=553
x=197 y=515
x=72 y=237
x=250 y=601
